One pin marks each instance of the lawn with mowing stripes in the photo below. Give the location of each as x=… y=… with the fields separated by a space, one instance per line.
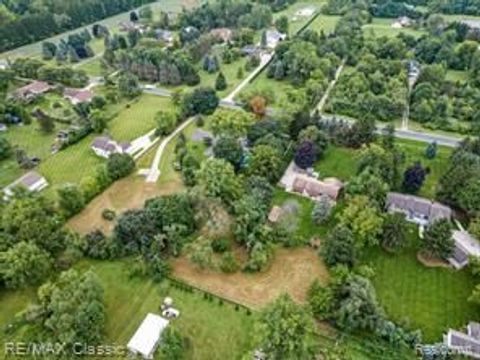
x=383 y=27
x=325 y=23
x=214 y=331
x=430 y=299
x=139 y=118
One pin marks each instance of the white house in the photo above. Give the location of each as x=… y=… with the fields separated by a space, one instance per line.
x=274 y=37
x=305 y=12
x=103 y=146
x=32 y=181
x=467 y=344
x=147 y=337
x=465 y=245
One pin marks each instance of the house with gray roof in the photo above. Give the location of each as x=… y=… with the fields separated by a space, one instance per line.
x=31 y=181
x=103 y=146
x=466 y=344
x=274 y=37
x=465 y=246
x=418 y=210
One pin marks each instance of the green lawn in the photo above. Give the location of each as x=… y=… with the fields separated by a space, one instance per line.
x=457 y=75
x=325 y=23
x=297 y=22
x=214 y=331
x=139 y=118
x=341 y=162
x=431 y=299
x=92 y=67
x=382 y=27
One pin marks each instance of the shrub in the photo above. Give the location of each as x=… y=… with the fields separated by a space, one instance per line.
x=108 y=214
x=220 y=245
x=229 y=263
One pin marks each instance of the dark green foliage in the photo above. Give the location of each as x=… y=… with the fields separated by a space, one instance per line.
x=394 y=231
x=437 y=239
x=306 y=155
x=119 y=166
x=431 y=150
x=339 y=249
x=229 y=149
x=220 y=245
x=173 y=345
x=70 y=310
x=202 y=100
x=220 y=82
x=414 y=177
x=70 y=199
x=5 y=149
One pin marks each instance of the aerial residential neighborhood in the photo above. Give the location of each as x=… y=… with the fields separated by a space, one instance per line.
x=240 y=179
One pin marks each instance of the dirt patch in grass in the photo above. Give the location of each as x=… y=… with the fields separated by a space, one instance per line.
x=128 y=193
x=292 y=271
x=428 y=261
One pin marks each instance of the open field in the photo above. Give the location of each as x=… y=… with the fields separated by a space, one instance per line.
x=432 y=299
x=297 y=22
x=139 y=118
x=325 y=23
x=124 y=194
x=382 y=27
x=92 y=67
x=292 y=271
x=213 y=331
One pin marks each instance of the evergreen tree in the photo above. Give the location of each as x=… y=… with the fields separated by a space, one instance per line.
x=431 y=150
x=220 y=82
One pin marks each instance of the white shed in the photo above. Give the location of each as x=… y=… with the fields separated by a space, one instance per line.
x=147 y=337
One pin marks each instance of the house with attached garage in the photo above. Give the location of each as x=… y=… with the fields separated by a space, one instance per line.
x=32 y=91
x=103 y=146
x=418 y=210
x=77 y=96
x=274 y=37
x=31 y=181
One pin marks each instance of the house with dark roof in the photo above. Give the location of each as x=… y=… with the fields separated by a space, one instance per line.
x=416 y=209
x=103 y=146
x=466 y=344
x=77 y=96
x=31 y=181
x=31 y=91
x=465 y=246
x=314 y=188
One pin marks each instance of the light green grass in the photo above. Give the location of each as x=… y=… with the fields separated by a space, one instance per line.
x=325 y=23
x=382 y=27
x=431 y=299
x=139 y=118
x=214 y=331
x=92 y=67
x=457 y=75
x=299 y=22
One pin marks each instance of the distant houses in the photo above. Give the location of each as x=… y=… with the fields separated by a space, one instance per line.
x=104 y=147
x=467 y=344
x=31 y=181
x=418 y=210
x=32 y=91
x=402 y=22
x=78 y=96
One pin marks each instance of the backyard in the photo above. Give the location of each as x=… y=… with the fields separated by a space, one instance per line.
x=213 y=331
x=431 y=299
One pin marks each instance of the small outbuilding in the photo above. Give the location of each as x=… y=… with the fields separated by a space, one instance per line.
x=147 y=337
x=275 y=214
x=32 y=181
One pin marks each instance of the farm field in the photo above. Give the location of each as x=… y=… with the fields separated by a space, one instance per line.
x=432 y=299
x=213 y=331
x=382 y=27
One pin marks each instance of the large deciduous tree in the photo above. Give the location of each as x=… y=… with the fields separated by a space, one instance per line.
x=437 y=239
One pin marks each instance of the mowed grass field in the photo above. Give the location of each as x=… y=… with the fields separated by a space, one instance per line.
x=138 y=118
x=341 y=162
x=296 y=22
x=383 y=27
x=214 y=331
x=325 y=23
x=431 y=299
